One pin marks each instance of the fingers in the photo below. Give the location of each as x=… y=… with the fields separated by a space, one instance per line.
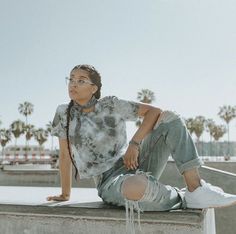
x=131 y=157
x=51 y=198
x=136 y=162
x=56 y=198
x=131 y=162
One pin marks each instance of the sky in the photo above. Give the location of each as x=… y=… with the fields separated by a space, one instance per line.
x=184 y=51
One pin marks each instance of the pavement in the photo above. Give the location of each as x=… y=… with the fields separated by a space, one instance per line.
x=37 y=195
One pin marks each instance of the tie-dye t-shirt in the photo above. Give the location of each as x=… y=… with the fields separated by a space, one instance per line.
x=101 y=139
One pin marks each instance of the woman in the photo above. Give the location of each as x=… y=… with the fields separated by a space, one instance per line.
x=92 y=137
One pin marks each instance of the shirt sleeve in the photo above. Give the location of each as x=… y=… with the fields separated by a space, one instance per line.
x=128 y=110
x=59 y=122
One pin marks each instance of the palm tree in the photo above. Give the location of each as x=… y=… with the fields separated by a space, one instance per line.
x=145 y=96
x=218 y=132
x=26 y=109
x=199 y=127
x=49 y=130
x=190 y=125
x=29 y=133
x=5 y=137
x=210 y=124
x=227 y=113
x=17 y=128
x=40 y=136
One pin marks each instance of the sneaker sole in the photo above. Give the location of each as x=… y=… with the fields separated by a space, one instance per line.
x=216 y=206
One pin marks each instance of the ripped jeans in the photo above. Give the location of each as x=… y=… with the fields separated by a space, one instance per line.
x=169 y=137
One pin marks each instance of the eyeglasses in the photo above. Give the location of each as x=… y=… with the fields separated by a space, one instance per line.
x=79 y=82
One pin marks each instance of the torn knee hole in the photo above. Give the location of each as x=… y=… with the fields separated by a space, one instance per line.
x=133 y=187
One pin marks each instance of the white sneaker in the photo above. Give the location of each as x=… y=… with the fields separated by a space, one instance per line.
x=208 y=196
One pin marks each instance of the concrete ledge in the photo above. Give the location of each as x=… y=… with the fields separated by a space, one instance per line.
x=85 y=213
x=32 y=219
x=93 y=211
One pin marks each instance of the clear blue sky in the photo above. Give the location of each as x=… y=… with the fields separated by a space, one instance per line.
x=183 y=50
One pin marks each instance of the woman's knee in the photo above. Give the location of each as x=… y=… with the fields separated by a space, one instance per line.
x=133 y=187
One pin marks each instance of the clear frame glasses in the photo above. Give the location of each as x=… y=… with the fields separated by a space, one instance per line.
x=77 y=82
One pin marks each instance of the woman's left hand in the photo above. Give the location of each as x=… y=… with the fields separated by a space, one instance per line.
x=131 y=157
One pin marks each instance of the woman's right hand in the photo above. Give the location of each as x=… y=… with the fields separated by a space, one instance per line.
x=58 y=198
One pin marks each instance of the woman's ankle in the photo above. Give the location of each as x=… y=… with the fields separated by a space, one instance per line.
x=192 y=179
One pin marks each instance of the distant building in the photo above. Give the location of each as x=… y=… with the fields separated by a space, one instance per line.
x=29 y=154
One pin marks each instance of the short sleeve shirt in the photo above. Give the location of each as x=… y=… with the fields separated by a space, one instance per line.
x=101 y=139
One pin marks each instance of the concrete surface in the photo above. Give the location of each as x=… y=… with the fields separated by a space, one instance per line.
x=24 y=210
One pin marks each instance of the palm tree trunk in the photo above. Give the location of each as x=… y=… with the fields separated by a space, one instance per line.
x=52 y=144
x=202 y=146
x=210 y=145
x=2 y=153
x=228 y=140
x=15 y=146
x=25 y=145
x=26 y=141
x=198 y=147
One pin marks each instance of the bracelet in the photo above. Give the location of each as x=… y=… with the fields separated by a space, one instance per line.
x=132 y=142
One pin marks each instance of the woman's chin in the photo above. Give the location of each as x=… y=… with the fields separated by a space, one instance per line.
x=72 y=96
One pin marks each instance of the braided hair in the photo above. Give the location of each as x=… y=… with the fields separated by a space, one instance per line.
x=95 y=77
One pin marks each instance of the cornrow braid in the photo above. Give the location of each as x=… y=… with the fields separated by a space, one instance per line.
x=95 y=77
x=67 y=137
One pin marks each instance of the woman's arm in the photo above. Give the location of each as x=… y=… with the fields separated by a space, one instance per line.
x=150 y=116
x=65 y=167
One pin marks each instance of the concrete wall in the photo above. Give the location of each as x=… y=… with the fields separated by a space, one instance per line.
x=47 y=220
x=29 y=178
x=38 y=178
x=224 y=166
x=46 y=178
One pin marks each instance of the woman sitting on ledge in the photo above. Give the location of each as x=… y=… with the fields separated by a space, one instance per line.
x=92 y=137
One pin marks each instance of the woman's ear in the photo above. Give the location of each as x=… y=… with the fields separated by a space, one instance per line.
x=95 y=89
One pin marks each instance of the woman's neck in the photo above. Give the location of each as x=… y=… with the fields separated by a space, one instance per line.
x=83 y=103
x=90 y=109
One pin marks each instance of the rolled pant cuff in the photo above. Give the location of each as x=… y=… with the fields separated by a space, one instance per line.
x=197 y=162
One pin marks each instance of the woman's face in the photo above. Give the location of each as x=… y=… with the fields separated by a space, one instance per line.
x=80 y=87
